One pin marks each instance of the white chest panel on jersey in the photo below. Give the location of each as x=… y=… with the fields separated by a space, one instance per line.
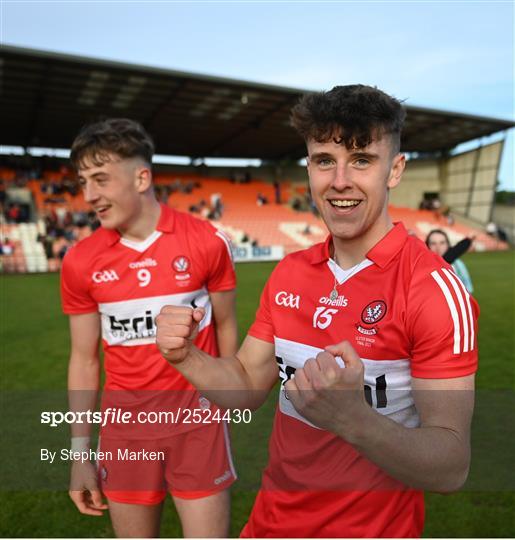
x=132 y=322
x=387 y=382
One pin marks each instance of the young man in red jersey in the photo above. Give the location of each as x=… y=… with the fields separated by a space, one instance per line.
x=372 y=336
x=114 y=283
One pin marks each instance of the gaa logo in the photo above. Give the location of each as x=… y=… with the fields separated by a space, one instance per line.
x=105 y=276
x=181 y=264
x=285 y=299
x=373 y=312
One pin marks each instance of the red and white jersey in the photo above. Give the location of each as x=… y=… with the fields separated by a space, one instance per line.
x=128 y=283
x=407 y=315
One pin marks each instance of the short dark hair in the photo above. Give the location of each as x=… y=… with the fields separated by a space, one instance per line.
x=353 y=115
x=120 y=136
x=437 y=231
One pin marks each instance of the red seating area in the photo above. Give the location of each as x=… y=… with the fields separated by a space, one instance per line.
x=45 y=202
x=268 y=224
x=242 y=213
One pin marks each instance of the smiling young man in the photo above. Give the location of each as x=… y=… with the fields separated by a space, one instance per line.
x=114 y=283
x=372 y=336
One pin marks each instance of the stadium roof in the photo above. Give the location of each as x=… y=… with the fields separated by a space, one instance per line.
x=46 y=97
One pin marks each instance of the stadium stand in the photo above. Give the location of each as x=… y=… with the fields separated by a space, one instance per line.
x=246 y=212
x=200 y=117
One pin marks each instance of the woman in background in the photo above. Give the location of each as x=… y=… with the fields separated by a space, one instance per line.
x=438 y=242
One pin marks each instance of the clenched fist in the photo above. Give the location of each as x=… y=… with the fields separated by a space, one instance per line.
x=327 y=395
x=177 y=327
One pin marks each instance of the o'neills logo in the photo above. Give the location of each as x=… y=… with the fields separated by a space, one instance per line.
x=225 y=476
x=341 y=301
x=143 y=264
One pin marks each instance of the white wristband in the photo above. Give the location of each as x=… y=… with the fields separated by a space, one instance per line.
x=80 y=444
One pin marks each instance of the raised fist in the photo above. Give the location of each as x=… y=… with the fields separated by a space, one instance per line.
x=177 y=327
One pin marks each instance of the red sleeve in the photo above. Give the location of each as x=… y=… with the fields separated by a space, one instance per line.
x=442 y=325
x=75 y=297
x=262 y=327
x=221 y=275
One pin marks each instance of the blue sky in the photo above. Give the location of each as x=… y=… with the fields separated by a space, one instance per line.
x=449 y=55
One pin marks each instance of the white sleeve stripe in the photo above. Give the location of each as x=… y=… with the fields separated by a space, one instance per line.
x=469 y=309
x=227 y=244
x=464 y=318
x=452 y=309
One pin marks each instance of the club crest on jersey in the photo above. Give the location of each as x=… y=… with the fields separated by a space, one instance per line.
x=181 y=263
x=372 y=313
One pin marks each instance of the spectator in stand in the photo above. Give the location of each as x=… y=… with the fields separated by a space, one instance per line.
x=296 y=204
x=261 y=199
x=7 y=259
x=277 y=192
x=6 y=247
x=438 y=242
x=501 y=234
x=217 y=206
x=47 y=242
x=13 y=213
x=491 y=229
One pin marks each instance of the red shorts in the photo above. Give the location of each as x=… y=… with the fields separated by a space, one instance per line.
x=189 y=465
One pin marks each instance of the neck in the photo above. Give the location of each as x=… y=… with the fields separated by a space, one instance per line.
x=146 y=222
x=349 y=252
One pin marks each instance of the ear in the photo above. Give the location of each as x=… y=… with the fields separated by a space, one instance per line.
x=398 y=165
x=143 y=179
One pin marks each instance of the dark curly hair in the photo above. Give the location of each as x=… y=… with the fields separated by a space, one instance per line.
x=353 y=115
x=119 y=136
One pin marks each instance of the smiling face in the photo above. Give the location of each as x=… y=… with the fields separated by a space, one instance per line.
x=350 y=188
x=114 y=189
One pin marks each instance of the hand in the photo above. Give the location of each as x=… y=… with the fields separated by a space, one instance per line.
x=177 y=327
x=84 y=490
x=327 y=395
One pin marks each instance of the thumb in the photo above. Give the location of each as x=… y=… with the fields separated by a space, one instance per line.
x=96 y=497
x=198 y=314
x=346 y=352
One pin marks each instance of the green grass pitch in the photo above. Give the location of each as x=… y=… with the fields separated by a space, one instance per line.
x=34 y=349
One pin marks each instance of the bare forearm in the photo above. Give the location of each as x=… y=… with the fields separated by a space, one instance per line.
x=428 y=458
x=222 y=380
x=83 y=385
x=227 y=338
